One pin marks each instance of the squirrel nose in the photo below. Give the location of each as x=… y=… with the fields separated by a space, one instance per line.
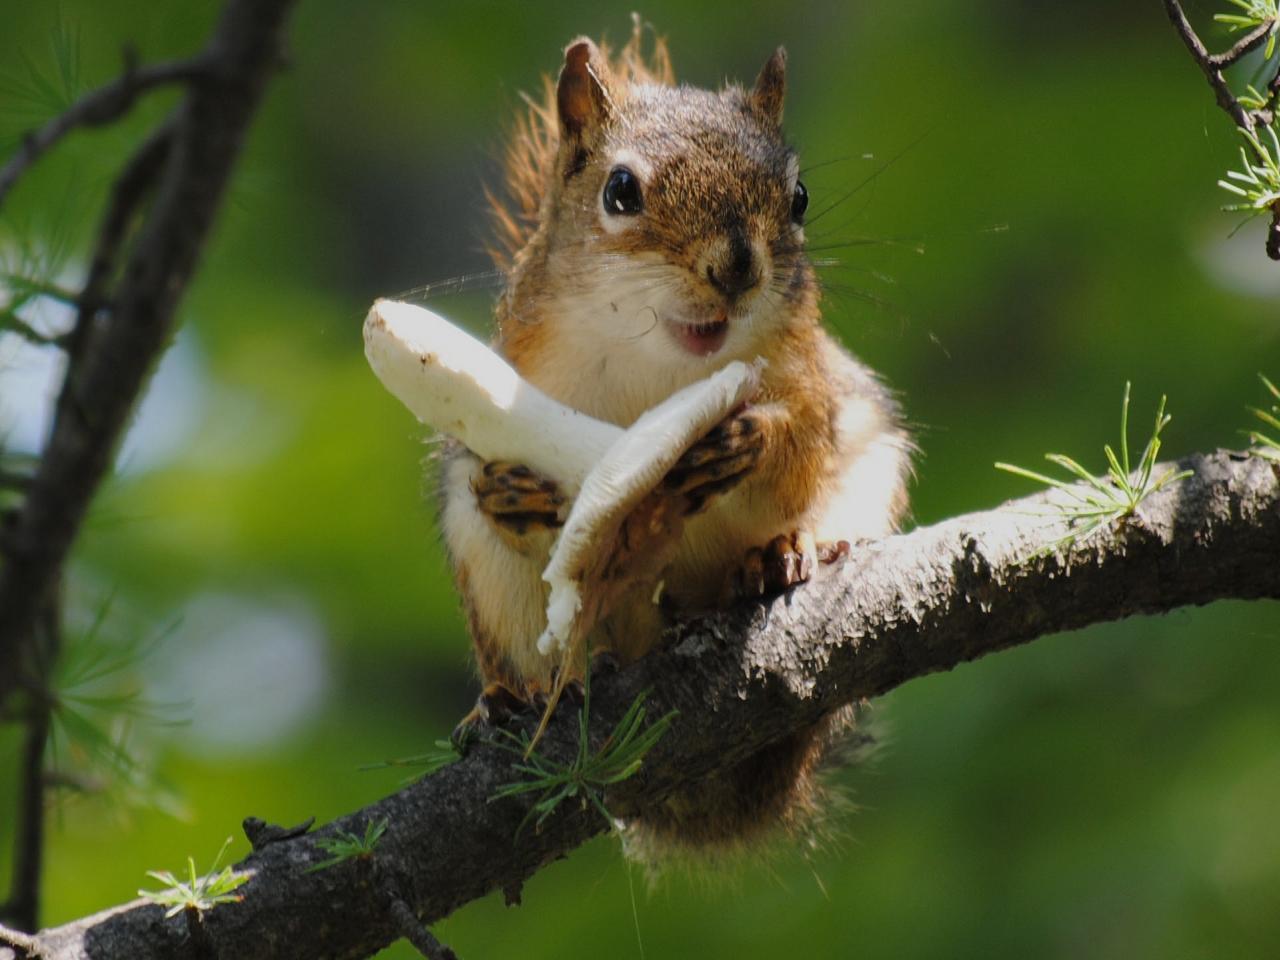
x=736 y=271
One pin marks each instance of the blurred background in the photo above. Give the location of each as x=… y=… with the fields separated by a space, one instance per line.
x=1032 y=219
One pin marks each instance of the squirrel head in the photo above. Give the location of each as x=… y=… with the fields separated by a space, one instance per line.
x=671 y=218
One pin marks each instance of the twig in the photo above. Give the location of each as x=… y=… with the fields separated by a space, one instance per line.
x=1212 y=65
x=23 y=908
x=13 y=323
x=259 y=833
x=43 y=288
x=18 y=941
x=135 y=183
x=415 y=931
x=1242 y=47
x=130 y=189
x=900 y=608
x=99 y=107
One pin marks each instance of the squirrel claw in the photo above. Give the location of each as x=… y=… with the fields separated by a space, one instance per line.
x=783 y=562
x=834 y=551
x=494 y=707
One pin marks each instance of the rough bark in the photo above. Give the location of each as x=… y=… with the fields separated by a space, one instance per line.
x=903 y=607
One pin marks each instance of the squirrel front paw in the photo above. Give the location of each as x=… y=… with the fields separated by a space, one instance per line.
x=518 y=501
x=719 y=461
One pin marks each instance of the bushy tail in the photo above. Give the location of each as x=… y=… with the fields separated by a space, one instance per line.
x=775 y=793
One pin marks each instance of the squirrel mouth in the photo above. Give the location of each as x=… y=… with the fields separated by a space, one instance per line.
x=703 y=339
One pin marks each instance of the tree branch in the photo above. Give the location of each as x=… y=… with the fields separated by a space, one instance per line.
x=95 y=109
x=1212 y=65
x=1250 y=42
x=901 y=608
x=115 y=350
x=12 y=941
x=23 y=906
x=133 y=185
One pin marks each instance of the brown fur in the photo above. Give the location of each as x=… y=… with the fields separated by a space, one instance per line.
x=718 y=183
x=533 y=140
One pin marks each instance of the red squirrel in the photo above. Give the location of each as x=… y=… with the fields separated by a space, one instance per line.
x=650 y=234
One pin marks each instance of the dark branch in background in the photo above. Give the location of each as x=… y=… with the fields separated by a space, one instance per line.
x=902 y=607
x=140 y=269
x=131 y=189
x=1212 y=66
x=17 y=944
x=187 y=170
x=22 y=908
x=100 y=107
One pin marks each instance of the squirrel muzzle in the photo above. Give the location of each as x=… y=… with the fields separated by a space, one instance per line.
x=733 y=265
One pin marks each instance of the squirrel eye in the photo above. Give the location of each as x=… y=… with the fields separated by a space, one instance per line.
x=799 y=203
x=622 y=192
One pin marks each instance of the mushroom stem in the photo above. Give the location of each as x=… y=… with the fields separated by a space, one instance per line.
x=628 y=472
x=451 y=381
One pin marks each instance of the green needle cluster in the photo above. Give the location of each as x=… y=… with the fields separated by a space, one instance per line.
x=1092 y=502
x=1267 y=445
x=198 y=893
x=588 y=774
x=347 y=846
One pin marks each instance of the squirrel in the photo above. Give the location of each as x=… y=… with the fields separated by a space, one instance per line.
x=650 y=234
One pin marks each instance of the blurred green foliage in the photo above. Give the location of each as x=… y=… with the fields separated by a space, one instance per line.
x=1109 y=794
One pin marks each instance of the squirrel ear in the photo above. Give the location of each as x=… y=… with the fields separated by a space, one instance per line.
x=581 y=97
x=770 y=86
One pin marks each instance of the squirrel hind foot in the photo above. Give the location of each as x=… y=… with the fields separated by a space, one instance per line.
x=782 y=563
x=496 y=705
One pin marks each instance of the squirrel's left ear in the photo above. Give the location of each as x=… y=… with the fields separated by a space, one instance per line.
x=582 y=99
x=770 y=86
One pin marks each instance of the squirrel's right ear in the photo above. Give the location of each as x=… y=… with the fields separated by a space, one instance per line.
x=770 y=86
x=582 y=97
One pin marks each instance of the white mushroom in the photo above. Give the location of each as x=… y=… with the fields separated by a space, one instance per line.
x=628 y=472
x=455 y=383
x=451 y=381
